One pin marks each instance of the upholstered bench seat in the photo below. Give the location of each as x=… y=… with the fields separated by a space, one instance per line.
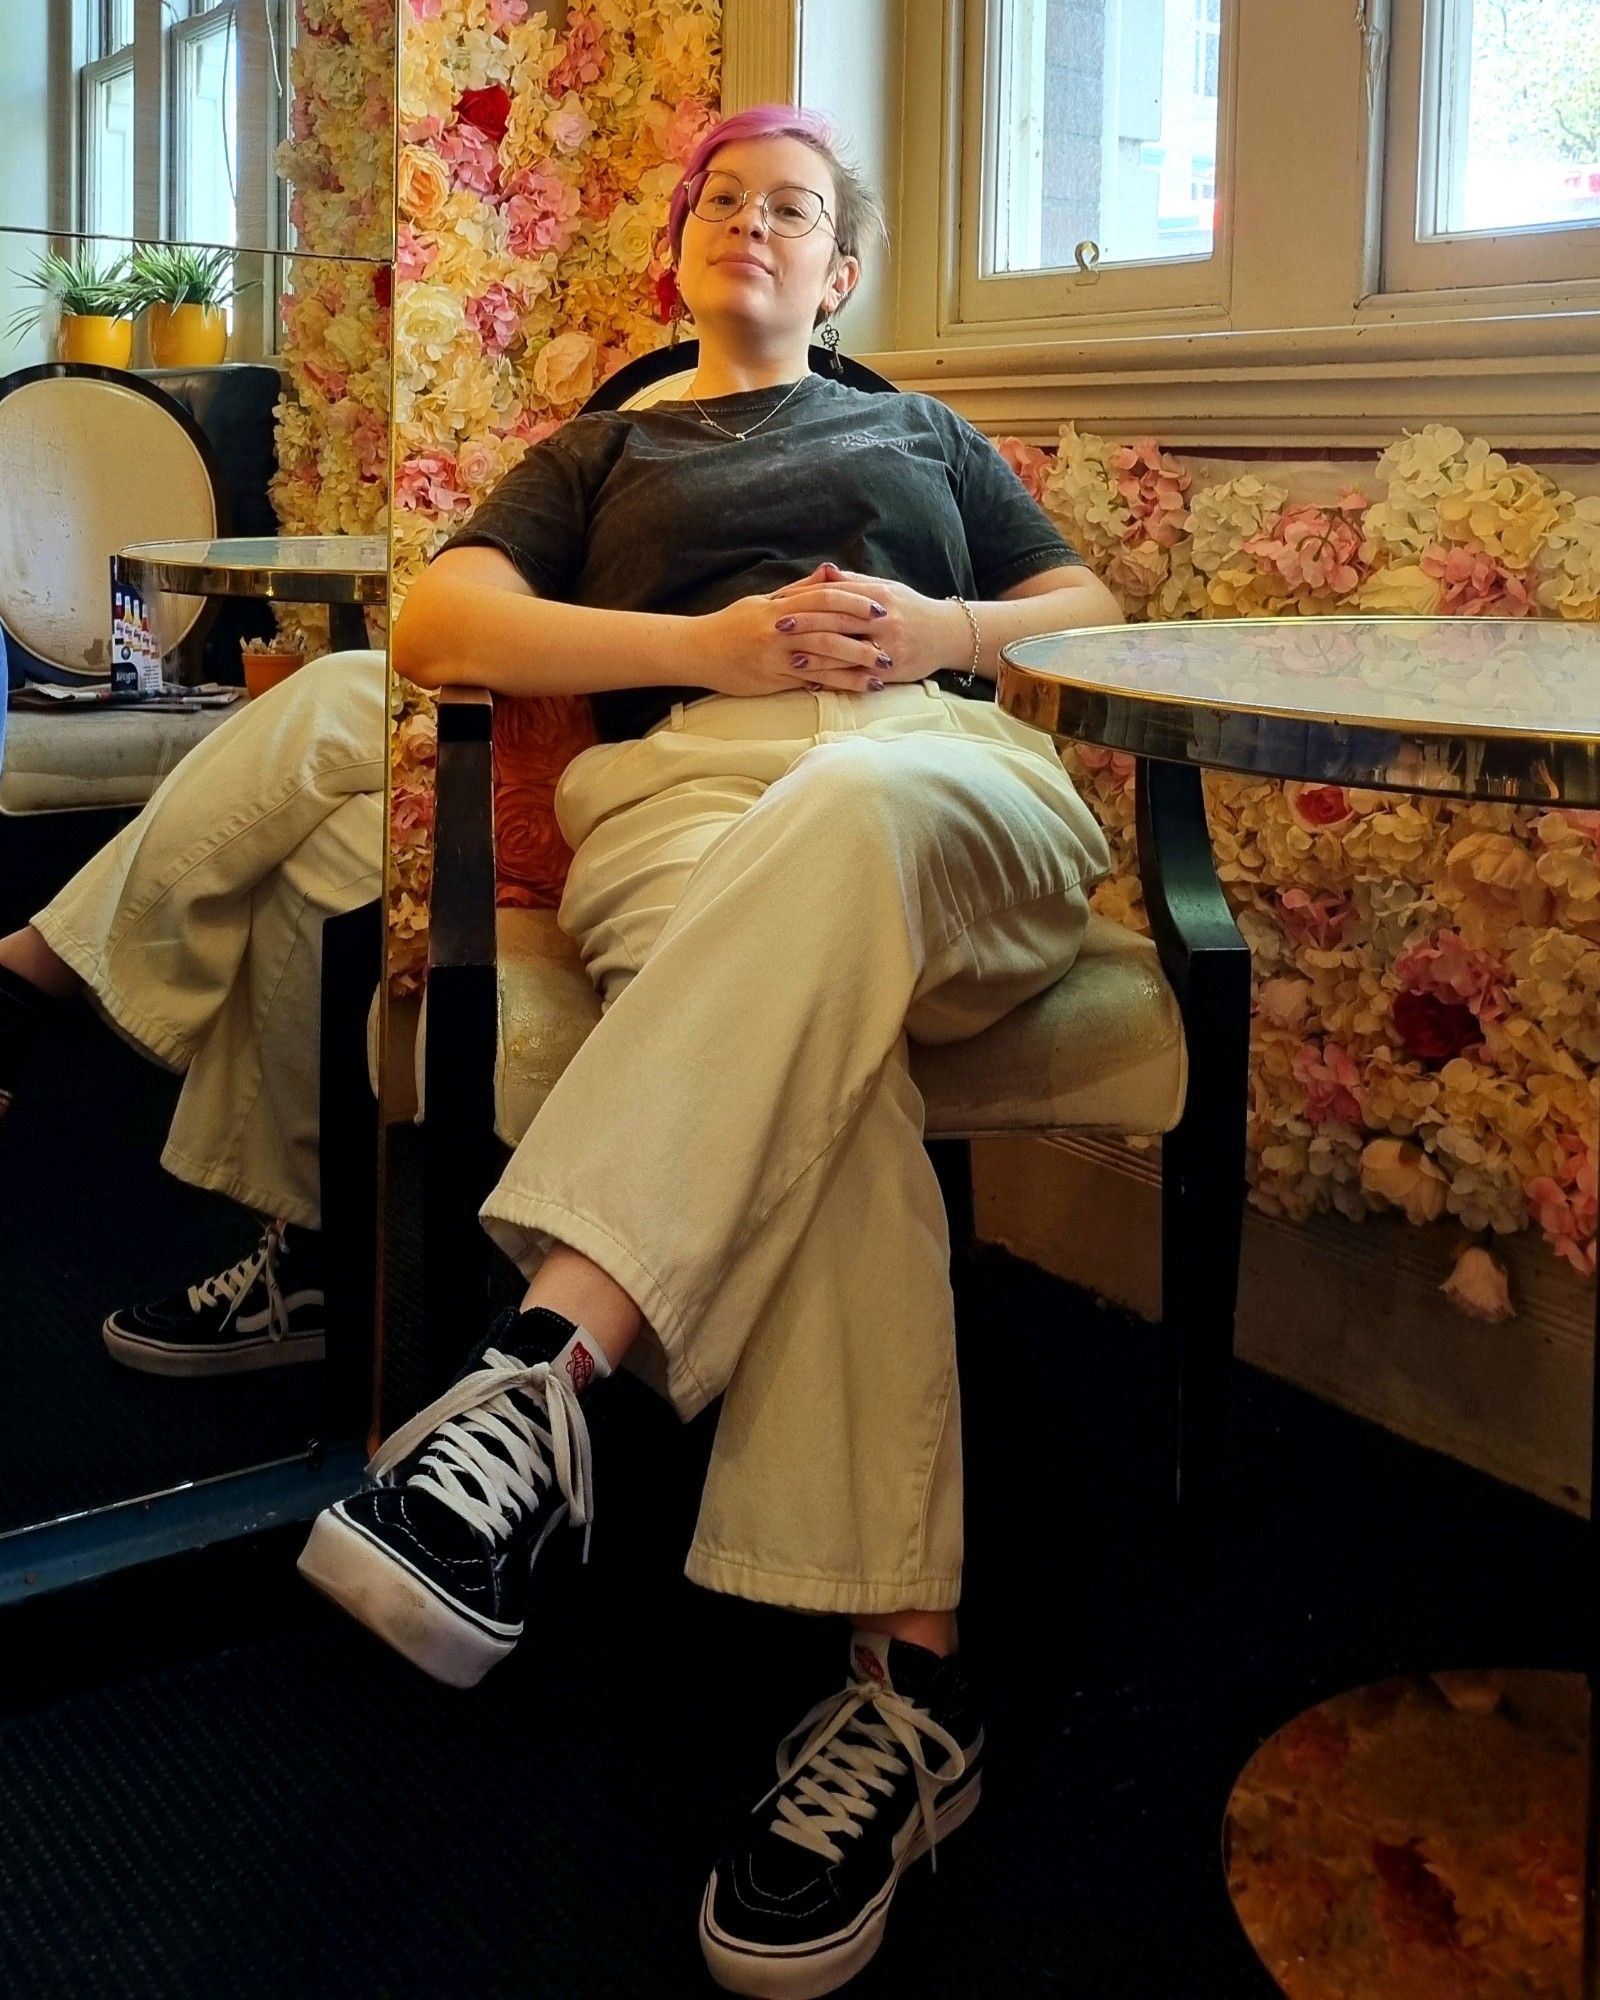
x=102 y=758
x=1103 y=1047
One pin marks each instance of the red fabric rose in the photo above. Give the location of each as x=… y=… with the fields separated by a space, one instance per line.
x=383 y=286
x=1321 y=805
x=666 y=296
x=1434 y=1030
x=489 y=109
x=534 y=741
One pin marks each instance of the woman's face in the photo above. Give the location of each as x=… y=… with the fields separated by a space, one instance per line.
x=740 y=276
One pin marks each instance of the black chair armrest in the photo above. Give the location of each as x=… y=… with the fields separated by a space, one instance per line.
x=461 y=1159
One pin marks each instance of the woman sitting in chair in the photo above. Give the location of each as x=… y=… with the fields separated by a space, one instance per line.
x=793 y=848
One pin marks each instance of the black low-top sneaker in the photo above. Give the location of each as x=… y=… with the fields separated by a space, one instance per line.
x=262 y=1312
x=797 y=1906
x=435 y=1555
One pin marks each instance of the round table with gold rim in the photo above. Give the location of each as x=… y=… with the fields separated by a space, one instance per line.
x=345 y=572
x=1428 y=1836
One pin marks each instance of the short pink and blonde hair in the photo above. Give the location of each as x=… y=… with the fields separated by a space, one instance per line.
x=856 y=212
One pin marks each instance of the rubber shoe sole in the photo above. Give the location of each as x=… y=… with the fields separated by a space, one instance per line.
x=159 y=1357
x=806 y=1972
x=382 y=1591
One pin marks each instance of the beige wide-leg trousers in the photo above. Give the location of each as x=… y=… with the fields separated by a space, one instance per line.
x=771 y=895
x=198 y=929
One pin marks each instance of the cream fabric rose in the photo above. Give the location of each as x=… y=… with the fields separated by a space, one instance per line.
x=1394 y=1171
x=630 y=236
x=564 y=371
x=569 y=126
x=422 y=186
x=427 y=319
x=1478 y=1286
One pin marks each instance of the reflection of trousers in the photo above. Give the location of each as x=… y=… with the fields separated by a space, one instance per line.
x=770 y=895
x=198 y=929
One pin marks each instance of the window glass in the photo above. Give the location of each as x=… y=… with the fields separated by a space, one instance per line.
x=1107 y=129
x=1516 y=120
x=109 y=115
x=208 y=85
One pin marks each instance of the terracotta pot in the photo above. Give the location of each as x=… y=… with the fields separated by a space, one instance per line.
x=95 y=337
x=187 y=336
x=264 y=670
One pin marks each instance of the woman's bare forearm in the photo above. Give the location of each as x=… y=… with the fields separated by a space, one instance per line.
x=455 y=630
x=1025 y=612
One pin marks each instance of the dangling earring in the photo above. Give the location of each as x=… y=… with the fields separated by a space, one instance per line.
x=828 y=337
x=680 y=318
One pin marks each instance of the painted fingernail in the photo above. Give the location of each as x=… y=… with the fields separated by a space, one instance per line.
x=885 y=662
x=874 y=684
x=799 y=659
x=880 y=610
x=785 y=624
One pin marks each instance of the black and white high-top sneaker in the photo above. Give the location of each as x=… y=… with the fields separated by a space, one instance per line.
x=262 y=1312
x=436 y=1554
x=797 y=1905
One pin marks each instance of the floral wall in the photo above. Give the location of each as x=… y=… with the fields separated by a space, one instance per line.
x=1427 y=990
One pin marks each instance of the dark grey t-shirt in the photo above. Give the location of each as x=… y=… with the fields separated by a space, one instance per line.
x=654 y=510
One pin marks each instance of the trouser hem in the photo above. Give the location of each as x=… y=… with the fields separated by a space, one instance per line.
x=512 y=1218
x=276 y=1204
x=160 y=1043
x=736 y=1577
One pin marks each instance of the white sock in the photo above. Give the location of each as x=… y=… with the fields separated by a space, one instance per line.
x=582 y=1360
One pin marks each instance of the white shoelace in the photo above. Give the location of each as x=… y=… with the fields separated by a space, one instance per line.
x=838 y=1777
x=230 y=1287
x=480 y=1407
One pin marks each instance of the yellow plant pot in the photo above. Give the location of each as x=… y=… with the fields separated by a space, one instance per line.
x=108 y=343
x=187 y=336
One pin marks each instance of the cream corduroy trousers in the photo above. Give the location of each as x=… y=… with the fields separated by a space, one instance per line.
x=198 y=930
x=771 y=895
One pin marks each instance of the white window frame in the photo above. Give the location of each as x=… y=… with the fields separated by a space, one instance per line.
x=985 y=297
x=1425 y=36
x=204 y=19
x=97 y=62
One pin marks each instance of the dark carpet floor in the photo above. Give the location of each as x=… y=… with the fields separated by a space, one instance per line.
x=211 y=1783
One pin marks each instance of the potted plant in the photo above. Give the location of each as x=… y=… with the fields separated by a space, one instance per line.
x=184 y=291
x=268 y=661
x=94 y=306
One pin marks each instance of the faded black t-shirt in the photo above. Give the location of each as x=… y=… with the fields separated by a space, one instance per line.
x=654 y=510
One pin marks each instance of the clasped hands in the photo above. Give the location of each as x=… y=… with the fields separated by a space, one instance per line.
x=834 y=629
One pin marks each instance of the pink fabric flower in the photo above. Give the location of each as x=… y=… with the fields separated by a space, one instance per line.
x=533 y=430
x=496 y=313
x=1028 y=462
x=430 y=480
x=1320 y=920
x=426 y=10
x=414 y=255
x=1152 y=486
x=326 y=377
x=1331 y=1083
x=1452 y=970
x=1564 y=1206
x=1095 y=757
x=473 y=159
x=610 y=359
x=541 y=212
x=691 y=121
x=1319 y=806
x=599 y=200
x=583 y=63
x=1476 y=585
x=505 y=14
x=1316 y=549
x=421 y=131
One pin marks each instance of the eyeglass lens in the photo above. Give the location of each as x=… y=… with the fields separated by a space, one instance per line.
x=788 y=211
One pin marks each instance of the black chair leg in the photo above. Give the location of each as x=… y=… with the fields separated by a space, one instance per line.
x=1203 y=1158
x=352 y=964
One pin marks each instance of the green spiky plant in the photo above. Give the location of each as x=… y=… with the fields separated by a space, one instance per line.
x=77 y=284
x=171 y=274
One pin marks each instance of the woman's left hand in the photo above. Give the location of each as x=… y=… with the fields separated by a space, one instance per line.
x=920 y=636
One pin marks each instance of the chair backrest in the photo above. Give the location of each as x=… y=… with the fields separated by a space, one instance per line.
x=90 y=460
x=658 y=370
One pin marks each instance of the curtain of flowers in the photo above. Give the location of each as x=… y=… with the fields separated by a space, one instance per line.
x=1427 y=992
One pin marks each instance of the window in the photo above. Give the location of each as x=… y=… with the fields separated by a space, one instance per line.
x=105 y=111
x=1493 y=143
x=203 y=63
x=1101 y=156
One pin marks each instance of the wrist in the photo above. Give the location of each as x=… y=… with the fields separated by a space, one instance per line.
x=961 y=640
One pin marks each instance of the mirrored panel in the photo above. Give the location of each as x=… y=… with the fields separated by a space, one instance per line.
x=193 y=588
x=256 y=124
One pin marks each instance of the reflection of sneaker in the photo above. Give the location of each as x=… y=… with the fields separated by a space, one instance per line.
x=797 y=1905
x=437 y=1556
x=264 y=1311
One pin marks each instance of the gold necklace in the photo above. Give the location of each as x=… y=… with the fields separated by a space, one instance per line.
x=740 y=436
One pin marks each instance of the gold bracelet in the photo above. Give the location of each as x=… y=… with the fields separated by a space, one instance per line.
x=971 y=673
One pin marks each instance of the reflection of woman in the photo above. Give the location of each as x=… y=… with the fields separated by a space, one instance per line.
x=197 y=934
x=794 y=850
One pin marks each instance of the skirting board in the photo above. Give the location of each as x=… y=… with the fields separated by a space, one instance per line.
x=1349 y=1311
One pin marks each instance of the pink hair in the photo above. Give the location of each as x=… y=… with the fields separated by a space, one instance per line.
x=761 y=121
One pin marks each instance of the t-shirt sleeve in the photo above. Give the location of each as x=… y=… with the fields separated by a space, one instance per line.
x=538 y=516
x=1009 y=535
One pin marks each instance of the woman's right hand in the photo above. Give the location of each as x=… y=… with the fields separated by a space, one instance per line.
x=742 y=651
